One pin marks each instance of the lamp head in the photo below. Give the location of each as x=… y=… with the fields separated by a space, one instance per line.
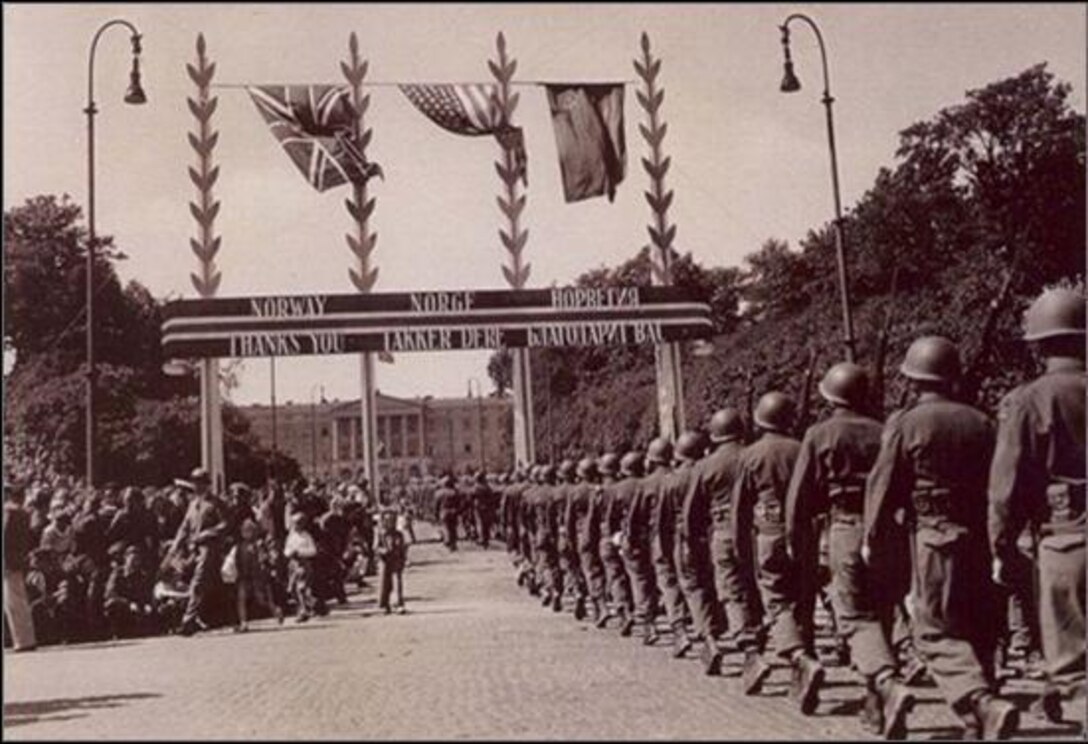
x=135 y=94
x=790 y=83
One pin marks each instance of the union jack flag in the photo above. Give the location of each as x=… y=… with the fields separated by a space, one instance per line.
x=314 y=125
x=471 y=109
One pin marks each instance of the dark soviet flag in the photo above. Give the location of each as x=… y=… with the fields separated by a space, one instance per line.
x=588 y=124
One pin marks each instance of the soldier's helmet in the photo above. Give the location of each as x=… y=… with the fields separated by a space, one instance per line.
x=659 y=451
x=774 y=412
x=845 y=384
x=726 y=424
x=448 y=481
x=690 y=445
x=567 y=469
x=587 y=468
x=932 y=359
x=609 y=464
x=1056 y=312
x=200 y=475
x=631 y=464
x=547 y=473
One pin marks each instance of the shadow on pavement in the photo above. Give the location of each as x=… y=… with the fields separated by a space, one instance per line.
x=92 y=646
x=35 y=711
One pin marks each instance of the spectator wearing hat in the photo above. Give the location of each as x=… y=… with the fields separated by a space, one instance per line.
x=59 y=535
x=17 y=544
x=202 y=530
x=129 y=602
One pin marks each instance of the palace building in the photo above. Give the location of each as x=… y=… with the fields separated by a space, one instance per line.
x=416 y=437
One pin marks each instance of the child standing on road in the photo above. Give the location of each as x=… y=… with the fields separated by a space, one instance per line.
x=393 y=553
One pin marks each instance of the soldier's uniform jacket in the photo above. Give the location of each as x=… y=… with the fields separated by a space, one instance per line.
x=832 y=466
x=640 y=502
x=713 y=482
x=933 y=464
x=1038 y=471
x=760 y=492
x=614 y=503
x=556 y=506
x=662 y=515
x=205 y=523
x=691 y=516
x=447 y=501
x=583 y=514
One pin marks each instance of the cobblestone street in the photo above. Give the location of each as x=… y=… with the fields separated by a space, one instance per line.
x=474 y=658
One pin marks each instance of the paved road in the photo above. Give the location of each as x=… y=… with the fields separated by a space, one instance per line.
x=474 y=658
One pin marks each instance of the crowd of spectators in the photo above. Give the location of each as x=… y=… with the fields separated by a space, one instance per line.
x=118 y=562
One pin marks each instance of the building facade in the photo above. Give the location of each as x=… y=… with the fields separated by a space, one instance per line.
x=416 y=437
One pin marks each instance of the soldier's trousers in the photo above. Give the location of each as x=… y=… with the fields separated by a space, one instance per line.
x=780 y=591
x=547 y=568
x=209 y=560
x=870 y=648
x=572 y=568
x=1062 y=606
x=696 y=578
x=668 y=582
x=512 y=535
x=953 y=607
x=589 y=558
x=639 y=566
x=483 y=529
x=619 y=584
x=738 y=595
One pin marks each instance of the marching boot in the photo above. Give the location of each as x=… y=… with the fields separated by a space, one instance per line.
x=872 y=709
x=896 y=704
x=997 y=719
x=1049 y=704
x=810 y=675
x=601 y=617
x=681 y=643
x=557 y=602
x=755 y=672
x=628 y=622
x=580 y=608
x=547 y=600
x=651 y=635
x=711 y=656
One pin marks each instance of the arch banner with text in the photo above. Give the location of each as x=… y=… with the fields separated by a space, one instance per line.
x=292 y=325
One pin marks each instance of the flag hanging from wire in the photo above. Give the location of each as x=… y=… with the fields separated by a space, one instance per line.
x=588 y=125
x=314 y=123
x=470 y=109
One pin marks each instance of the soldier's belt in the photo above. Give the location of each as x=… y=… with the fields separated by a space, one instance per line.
x=846 y=499
x=932 y=501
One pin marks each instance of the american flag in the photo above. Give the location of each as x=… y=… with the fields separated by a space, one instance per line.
x=314 y=125
x=471 y=109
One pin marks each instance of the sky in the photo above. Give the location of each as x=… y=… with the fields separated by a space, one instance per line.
x=749 y=163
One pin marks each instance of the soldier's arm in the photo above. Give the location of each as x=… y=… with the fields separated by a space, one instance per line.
x=886 y=484
x=801 y=497
x=1013 y=478
x=741 y=519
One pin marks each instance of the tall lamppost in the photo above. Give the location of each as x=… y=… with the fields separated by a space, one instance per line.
x=134 y=95
x=790 y=83
x=479 y=419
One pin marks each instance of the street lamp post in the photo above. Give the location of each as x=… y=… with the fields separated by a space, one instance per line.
x=134 y=95
x=479 y=419
x=790 y=83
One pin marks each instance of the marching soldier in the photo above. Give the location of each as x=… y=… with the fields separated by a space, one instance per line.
x=584 y=523
x=482 y=500
x=663 y=508
x=203 y=530
x=759 y=499
x=932 y=467
x=635 y=543
x=567 y=537
x=696 y=570
x=829 y=480
x=1038 y=479
x=544 y=498
x=613 y=511
x=716 y=478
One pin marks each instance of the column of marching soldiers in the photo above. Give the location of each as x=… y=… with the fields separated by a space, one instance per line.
x=931 y=522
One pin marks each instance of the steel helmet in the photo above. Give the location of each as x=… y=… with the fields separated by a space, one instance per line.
x=587 y=468
x=631 y=464
x=932 y=358
x=1056 y=312
x=846 y=384
x=567 y=469
x=609 y=463
x=547 y=473
x=660 y=451
x=774 y=411
x=726 y=424
x=690 y=445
